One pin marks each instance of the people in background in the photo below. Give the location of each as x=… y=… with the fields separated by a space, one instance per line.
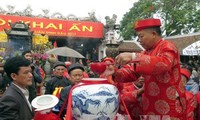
x=194 y=73
x=37 y=78
x=4 y=82
x=48 y=67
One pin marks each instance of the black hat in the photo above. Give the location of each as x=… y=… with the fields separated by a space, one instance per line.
x=58 y=63
x=75 y=66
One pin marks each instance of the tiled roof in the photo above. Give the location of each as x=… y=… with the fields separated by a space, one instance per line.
x=129 y=47
x=182 y=42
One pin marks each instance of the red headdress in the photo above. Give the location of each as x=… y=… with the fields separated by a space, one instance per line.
x=146 y=23
x=109 y=59
x=185 y=72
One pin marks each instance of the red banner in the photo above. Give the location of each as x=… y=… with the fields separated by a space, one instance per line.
x=53 y=27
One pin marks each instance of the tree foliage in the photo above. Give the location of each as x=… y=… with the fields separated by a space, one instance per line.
x=178 y=16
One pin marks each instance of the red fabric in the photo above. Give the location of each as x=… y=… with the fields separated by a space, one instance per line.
x=132 y=101
x=42 y=73
x=56 y=27
x=67 y=64
x=198 y=105
x=85 y=75
x=191 y=105
x=98 y=67
x=48 y=116
x=109 y=78
x=146 y=23
x=65 y=74
x=198 y=97
x=57 y=91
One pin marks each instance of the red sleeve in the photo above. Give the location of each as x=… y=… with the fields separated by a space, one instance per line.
x=191 y=100
x=125 y=74
x=198 y=97
x=129 y=93
x=162 y=59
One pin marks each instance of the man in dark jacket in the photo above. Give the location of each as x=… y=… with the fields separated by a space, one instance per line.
x=14 y=104
x=76 y=75
x=57 y=81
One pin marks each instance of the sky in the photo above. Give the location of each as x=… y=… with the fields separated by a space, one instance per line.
x=79 y=8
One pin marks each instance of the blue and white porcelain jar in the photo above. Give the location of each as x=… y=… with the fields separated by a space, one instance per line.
x=95 y=99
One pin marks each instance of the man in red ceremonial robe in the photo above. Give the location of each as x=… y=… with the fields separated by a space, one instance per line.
x=110 y=67
x=132 y=96
x=198 y=99
x=163 y=96
x=190 y=97
x=198 y=106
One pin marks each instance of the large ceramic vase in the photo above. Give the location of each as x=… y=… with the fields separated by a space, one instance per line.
x=95 y=99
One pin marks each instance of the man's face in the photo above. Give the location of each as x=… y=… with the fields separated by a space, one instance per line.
x=140 y=82
x=109 y=65
x=28 y=56
x=184 y=79
x=24 y=77
x=146 y=38
x=59 y=70
x=76 y=76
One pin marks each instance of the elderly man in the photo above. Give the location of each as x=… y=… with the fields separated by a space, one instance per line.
x=57 y=82
x=159 y=65
x=76 y=73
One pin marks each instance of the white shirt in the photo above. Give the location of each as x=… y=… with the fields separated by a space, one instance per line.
x=26 y=94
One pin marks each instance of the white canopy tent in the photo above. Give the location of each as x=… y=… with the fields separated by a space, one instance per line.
x=193 y=49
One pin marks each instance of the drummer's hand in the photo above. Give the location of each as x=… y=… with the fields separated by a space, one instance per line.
x=123 y=58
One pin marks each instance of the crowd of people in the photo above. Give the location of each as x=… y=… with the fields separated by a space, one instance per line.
x=153 y=83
